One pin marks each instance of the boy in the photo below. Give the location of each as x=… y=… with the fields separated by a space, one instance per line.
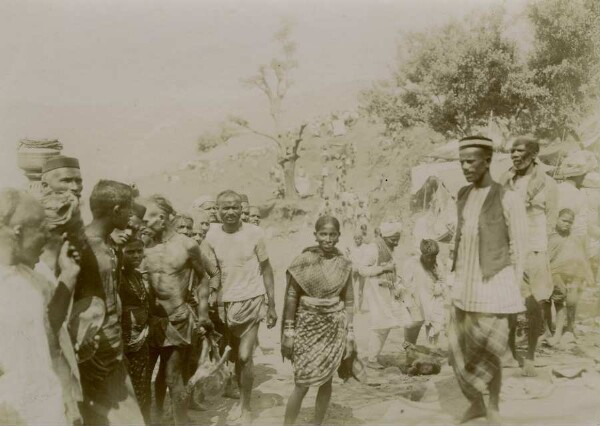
x=570 y=270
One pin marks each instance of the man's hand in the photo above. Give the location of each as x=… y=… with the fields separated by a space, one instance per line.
x=68 y=262
x=287 y=347
x=120 y=237
x=205 y=325
x=87 y=348
x=212 y=297
x=271 y=316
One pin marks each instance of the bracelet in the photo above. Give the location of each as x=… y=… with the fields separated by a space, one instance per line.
x=289 y=333
x=289 y=323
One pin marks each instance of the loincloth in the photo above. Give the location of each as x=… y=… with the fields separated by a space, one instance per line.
x=242 y=316
x=537 y=268
x=177 y=329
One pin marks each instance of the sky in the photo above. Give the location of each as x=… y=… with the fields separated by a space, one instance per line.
x=129 y=85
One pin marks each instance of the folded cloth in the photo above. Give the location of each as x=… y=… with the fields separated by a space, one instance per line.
x=176 y=329
x=241 y=316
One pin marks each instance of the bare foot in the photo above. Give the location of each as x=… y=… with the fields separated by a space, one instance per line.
x=475 y=411
x=529 y=368
x=235 y=414
x=493 y=417
x=246 y=418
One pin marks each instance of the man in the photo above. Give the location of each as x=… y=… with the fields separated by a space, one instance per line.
x=379 y=270
x=184 y=224
x=61 y=174
x=207 y=203
x=174 y=267
x=539 y=194
x=109 y=397
x=489 y=256
x=246 y=275
x=245 y=208
x=201 y=225
x=355 y=254
x=30 y=391
x=254 y=215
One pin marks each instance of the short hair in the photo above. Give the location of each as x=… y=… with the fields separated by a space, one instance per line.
x=566 y=211
x=531 y=144
x=327 y=220
x=228 y=193
x=106 y=195
x=163 y=204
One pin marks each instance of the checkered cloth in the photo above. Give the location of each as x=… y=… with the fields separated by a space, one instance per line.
x=476 y=344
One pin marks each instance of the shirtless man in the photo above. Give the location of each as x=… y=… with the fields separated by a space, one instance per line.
x=108 y=394
x=171 y=265
x=247 y=276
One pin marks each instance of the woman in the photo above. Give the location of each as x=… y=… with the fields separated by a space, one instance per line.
x=425 y=295
x=135 y=299
x=318 y=311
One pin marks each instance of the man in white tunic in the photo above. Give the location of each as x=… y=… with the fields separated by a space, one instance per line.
x=489 y=256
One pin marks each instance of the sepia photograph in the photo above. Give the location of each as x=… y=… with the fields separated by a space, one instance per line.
x=299 y=212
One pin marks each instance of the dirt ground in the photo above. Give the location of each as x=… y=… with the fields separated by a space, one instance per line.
x=391 y=397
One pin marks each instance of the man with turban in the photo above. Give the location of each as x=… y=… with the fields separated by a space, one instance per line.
x=381 y=287
x=489 y=257
x=209 y=204
x=60 y=174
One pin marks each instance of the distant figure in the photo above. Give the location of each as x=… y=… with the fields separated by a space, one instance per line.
x=317 y=333
x=356 y=255
x=381 y=288
x=570 y=271
x=208 y=204
x=424 y=282
x=254 y=215
x=245 y=208
x=201 y=225
x=184 y=224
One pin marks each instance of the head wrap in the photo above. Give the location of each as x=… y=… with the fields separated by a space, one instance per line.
x=60 y=162
x=475 y=141
x=429 y=247
x=199 y=202
x=388 y=229
x=200 y=216
x=61 y=209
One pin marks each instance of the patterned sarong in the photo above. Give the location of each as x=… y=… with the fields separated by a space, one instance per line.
x=476 y=344
x=320 y=340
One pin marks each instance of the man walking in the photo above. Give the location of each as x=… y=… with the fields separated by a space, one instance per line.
x=539 y=193
x=489 y=255
x=246 y=275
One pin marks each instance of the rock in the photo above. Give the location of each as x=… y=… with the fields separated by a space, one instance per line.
x=392 y=370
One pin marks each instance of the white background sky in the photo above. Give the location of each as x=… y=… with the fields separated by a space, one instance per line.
x=128 y=85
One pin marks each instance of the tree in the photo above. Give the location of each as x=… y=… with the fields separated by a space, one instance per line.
x=565 y=62
x=273 y=80
x=210 y=139
x=454 y=79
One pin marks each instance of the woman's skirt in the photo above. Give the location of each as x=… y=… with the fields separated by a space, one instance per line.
x=320 y=341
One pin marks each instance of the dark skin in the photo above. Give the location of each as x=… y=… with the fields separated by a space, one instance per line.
x=64 y=179
x=475 y=163
x=230 y=211
x=327 y=237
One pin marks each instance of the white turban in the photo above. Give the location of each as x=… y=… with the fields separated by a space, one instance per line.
x=199 y=202
x=388 y=229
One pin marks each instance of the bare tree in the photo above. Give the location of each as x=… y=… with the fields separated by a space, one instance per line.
x=274 y=81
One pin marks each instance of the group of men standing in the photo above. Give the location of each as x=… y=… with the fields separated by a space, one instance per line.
x=129 y=289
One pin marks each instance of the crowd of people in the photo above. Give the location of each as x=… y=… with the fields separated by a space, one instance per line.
x=92 y=313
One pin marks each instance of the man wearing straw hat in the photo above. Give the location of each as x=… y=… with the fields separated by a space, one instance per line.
x=489 y=257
